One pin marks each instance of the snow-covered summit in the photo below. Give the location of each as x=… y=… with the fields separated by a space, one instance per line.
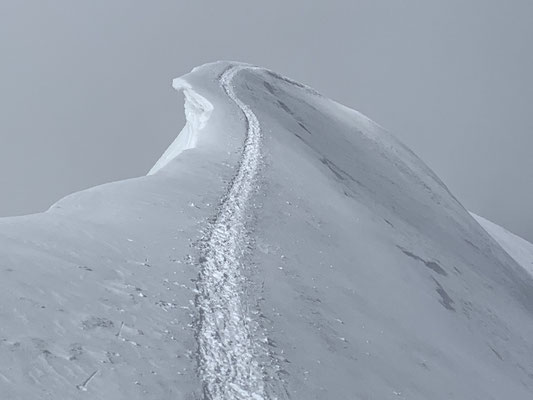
x=284 y=246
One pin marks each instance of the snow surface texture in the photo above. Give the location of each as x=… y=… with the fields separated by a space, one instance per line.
x=228 y=346
x=284 y=247
x=521 y=250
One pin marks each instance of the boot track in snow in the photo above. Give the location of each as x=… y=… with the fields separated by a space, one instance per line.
x=229 y=348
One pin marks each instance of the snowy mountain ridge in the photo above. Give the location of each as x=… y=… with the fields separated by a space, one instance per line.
x=520 y=249
x=283 y=247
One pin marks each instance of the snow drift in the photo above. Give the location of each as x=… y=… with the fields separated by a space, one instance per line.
x=284 y=246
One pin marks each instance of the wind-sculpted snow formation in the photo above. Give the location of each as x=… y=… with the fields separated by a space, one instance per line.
x=283 y=247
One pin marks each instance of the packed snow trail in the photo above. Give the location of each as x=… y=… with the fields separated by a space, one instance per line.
x=229 y=351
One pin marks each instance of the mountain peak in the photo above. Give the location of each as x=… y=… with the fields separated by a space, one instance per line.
x=284 y=246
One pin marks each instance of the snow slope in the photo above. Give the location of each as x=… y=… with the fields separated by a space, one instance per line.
x=520 y=249
x=284 y=247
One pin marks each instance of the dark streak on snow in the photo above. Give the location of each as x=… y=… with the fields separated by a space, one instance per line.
x=446 y=300
x=293 y=83
x=433 y=265
x=269 y=87
x=339 y=172
x=285 y=107
x=304 y=127
x=497 y=354
x=299 y=137
x=389 y=223
x=471 y=244
x=333 y=168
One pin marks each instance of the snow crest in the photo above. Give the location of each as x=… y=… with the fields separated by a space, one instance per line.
x=229 y=348
x=197 y=112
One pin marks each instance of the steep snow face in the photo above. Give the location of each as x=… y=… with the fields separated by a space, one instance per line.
x=373 y=271
x=285 y=246
x=521 y=250
x=197 y=112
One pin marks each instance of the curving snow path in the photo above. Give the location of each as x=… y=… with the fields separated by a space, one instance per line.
x=229 y=348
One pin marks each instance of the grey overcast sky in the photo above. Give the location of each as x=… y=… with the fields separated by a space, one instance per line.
x=85 y=95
